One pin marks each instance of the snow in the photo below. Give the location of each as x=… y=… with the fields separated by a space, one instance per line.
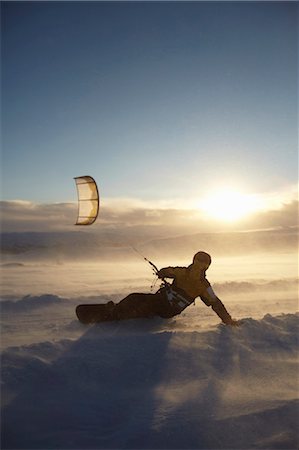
x=184 y=383
x=134 y=385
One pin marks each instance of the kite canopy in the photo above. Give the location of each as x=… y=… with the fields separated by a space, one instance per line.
x=88 y=200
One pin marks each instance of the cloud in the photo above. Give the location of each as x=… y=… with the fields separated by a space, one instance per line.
x=286 y=216
x=27 y=216
x=125 y=214
x=115 y=213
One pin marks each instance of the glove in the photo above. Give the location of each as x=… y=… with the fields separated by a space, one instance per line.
x=235 y=323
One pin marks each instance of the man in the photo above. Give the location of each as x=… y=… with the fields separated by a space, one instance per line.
x=192 y=281
x=170 y=300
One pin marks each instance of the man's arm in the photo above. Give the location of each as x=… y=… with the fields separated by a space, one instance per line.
x=167 y=272
x=211 y=299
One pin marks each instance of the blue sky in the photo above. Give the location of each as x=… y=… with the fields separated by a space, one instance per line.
x=155 y=100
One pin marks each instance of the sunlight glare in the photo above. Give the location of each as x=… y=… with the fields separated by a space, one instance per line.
x=229 y=205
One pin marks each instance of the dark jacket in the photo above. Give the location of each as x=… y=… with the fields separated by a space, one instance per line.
x=188 y=279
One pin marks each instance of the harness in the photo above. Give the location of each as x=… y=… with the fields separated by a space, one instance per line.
x=176 y=298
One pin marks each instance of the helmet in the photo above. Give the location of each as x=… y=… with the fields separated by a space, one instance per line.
x=203 y=259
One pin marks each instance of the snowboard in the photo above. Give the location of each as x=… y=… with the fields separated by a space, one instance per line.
x=94 y=313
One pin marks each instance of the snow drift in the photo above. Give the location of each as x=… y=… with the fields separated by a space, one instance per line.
x=144 y=385
x=30 y=302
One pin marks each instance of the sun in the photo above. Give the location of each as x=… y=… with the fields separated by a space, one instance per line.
x=228 y=205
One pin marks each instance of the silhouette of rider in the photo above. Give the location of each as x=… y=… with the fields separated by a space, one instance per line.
x=171 y=299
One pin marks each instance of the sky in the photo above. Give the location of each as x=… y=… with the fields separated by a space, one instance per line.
x=161 y=101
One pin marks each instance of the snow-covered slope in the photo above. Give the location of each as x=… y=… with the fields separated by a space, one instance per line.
x=149 y=385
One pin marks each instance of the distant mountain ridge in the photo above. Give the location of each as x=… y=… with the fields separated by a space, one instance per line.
x=112 y=244
x=227 y=243
x=55 y=245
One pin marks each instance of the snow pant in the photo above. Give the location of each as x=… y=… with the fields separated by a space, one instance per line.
x=143 y=305
x=132 y=307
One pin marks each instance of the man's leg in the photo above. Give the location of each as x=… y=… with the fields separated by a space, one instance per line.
x=136 y=305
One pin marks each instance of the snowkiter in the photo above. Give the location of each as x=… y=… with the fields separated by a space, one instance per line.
x=170 y=300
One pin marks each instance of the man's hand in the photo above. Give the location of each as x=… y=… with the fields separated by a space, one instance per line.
x=234 y=323
x=163 y=273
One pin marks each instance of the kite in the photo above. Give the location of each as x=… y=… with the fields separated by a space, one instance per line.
x=88 y=200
